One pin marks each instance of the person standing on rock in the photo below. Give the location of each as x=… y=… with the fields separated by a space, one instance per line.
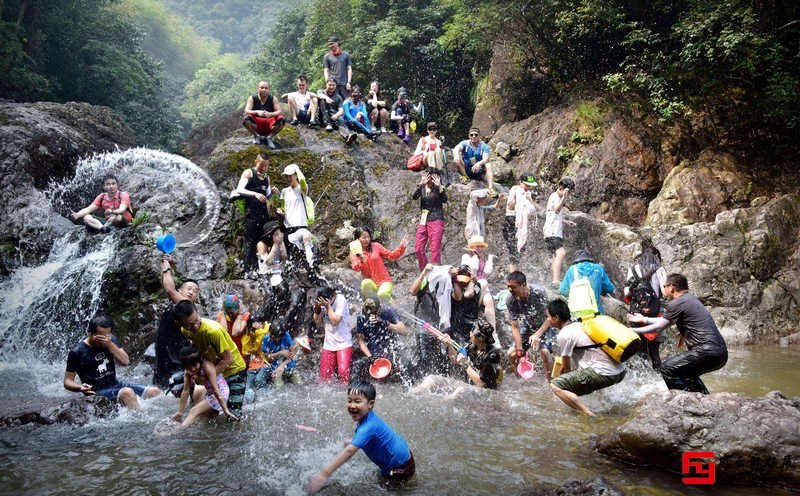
x=554 y=227
x=584 y=266
x=295 y=215
x=332 y=315
x=430 y=228
x=262 y=116
x=337 y=65
x=707 y=350
x=169 y=339
x=115 y=205
x=94 y=359
x=519 y=207
x=254 y=186
x=646 y=278
x=217 y=346
x=472 y=160
x=584 y=368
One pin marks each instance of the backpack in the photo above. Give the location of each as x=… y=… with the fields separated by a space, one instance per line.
x=581 y=300
x=643 y=299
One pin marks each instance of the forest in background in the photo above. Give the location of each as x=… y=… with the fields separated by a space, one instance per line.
x=730 y=68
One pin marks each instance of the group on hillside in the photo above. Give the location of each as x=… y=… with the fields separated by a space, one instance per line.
x=216 y=364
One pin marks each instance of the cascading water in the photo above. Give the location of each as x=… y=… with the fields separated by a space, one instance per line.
x=44 y=309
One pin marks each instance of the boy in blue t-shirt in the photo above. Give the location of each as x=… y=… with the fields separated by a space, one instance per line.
x=380 y=443
x=279 y=349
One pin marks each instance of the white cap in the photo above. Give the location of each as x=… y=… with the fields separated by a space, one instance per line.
x=291 y=169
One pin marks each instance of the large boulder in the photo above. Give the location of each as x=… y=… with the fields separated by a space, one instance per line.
x=39 y=143
x=754 y=440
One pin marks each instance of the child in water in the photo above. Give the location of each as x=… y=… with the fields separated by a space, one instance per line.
x=380 y=443
x=280 y=349
x=202 y=372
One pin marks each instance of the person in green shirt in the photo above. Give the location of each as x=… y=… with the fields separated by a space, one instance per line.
x=217 y=346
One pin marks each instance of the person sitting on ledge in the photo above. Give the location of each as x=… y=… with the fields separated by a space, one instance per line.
x=262 y=116
x=115 y=204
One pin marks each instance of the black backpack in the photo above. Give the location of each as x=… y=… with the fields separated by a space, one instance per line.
x=643 y=299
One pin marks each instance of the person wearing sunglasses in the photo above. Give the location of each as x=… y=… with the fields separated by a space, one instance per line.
x=431 y=147
x=472 y=160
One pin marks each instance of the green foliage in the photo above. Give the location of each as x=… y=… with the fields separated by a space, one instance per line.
x=219 y=87
x=565 y=153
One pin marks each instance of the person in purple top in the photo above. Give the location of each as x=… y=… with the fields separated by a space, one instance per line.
x=380 y=443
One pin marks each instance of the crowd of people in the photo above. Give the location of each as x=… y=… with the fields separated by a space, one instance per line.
x=219 y=364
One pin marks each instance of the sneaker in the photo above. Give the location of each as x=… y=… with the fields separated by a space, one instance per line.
x=383 y=130
x=270 y=143
x=294 y=122
x=401 y=133
x=329 y=127
x=351 y=139
x=465 y=180
x=313 y=124
x=374 y=137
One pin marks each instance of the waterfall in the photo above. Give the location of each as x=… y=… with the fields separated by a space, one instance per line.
x=44 y=309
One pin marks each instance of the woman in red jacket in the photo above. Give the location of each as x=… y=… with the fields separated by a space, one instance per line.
x=369 y=261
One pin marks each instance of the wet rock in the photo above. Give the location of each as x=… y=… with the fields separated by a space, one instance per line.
x=755 y=441
x=41 y=142
x=503 y=150
x=791 y=339
x=596 y=486
x=77 y=411
x=697 y=191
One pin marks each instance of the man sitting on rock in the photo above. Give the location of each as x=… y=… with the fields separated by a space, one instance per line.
x=593 y=369
x=706 y=347
x=262 y=116
x=94 y=359
x=472 y=159
x=302 y=104
x=115 y=204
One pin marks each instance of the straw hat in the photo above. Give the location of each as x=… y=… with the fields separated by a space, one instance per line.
x=476 y=241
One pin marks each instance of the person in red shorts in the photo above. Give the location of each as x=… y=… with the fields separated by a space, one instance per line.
x=263 y=116
x=115 y=205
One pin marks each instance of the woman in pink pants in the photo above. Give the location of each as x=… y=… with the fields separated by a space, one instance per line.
x=430 y=227
x=332 y=313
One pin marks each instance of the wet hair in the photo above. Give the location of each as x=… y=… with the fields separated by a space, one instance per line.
x=371 y=305
x=364 y=389
x=678 y=281
x=378 y=83
x=518 y=277
x=278 y=329
x=110 y=176
x=184 y=309
x=189 y=355
x=567 y=182
x=100 y=320
x=559 y=308
x=327 y=292
x=485 y=331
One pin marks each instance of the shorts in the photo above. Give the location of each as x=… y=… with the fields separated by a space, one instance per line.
x=479 y=176
x=112 y=392
x=399 y=475
x=224 y=391
x=553 y=243
x=585 y=381
x=264 y=125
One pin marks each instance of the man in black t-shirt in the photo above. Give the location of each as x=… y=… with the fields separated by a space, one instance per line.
x=338 y=66
x=94 y=360
x=526 y=307
x=706 y=347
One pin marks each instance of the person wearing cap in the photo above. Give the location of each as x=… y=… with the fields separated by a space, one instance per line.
x=263 y=116
x=356 y=117
x=401 y=114
x=526 y=310
x=431 y=148
x=369 y=262
x=430 y=229
x=472 y=159
x=584 y=266
x=234 y=318
x=271 y=250
x=553 y=228
x=295 y=216
x=302 y=104
x=337 y=65
x=255 y=187
x=519 y=207
x=476 y=212
x=377 y=329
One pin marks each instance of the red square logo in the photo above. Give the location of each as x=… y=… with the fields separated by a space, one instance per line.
x=699 y=466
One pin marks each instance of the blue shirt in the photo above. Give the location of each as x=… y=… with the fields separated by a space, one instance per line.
x=380 y=443
x=597 y=276
x=473 y=154
x=270 y=346
x=351 y=109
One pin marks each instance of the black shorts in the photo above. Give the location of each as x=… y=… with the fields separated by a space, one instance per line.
x=400 y=475
x=553 y=243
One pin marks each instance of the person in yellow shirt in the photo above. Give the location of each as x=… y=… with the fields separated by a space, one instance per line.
x=217 y=346
x=258 y=367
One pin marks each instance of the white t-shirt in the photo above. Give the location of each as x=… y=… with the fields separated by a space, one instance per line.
x=516 y=193
x=657 y=281
x=294 y=207
x=596 y=359
x=300 y=99
x=337 y=337
x=554 y=222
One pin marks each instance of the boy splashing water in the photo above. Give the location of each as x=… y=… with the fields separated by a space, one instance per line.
x=380 y=443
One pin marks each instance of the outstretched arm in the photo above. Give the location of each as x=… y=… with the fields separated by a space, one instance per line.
x=168 y=282
x=320 y=478
x=653 y=323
